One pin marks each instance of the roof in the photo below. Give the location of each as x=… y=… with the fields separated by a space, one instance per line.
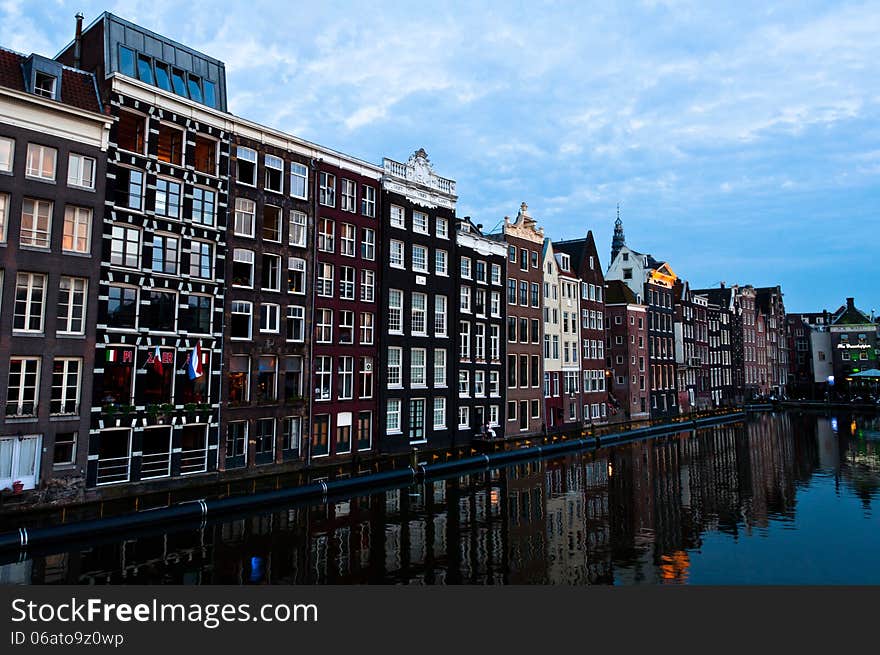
x=617 y=292
x=716 y=295
x=77 y=87
x=851 y=316
x=578 y=250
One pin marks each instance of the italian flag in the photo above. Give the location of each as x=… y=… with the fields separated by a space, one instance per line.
x=110 y=355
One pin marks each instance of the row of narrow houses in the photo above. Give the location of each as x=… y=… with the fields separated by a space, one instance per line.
x=192 y=297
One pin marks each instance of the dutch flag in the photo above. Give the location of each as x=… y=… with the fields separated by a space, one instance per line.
x=194 y=365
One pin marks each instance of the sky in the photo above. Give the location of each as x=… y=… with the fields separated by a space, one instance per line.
x=740 y=140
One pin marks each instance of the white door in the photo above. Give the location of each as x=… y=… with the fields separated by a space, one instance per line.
x=20 y=460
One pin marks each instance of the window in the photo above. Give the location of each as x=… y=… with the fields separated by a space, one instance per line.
x=267 y=367
x=368 y=201
x=439 y=316
x=396 y=254
x=205 y=159
x=495 y=304
x=121 y=307
x=325 y=280
x=167 y=198
x=132 y=181
x=298 y=229
x=392 y=417
x=464 y=340
x=465 y=299
x=417 y=367
x=22 y=393
x=524 y=293
x=420 y=259
x=296 y=275
x=439 y=367
x=368 y=244
x=466 y=267
x=366 y=336
x=36 y=223
x=368 y=285
x=80 y=171
x=365 y=377
x=327 y=190
x=523 y=259
x=442 y=228
x=494 y=343
x=479 y=383
x=77 y=229
x=346 y=326
x=4 y=215
x=246 y=165
x=347 y=239
x=439 y=413
x=464 y=417
x=395 y=355
x=66 y=372
x=420 y=222
x=326 y=235
x=291 y=433
x=41 y=161
x=131 y=132
x=398 y=217
x=243 y=268
x=535 y=288
x=270 y=274
x=480 y=341
x=299 y=180
x=324 y=326
x=198 y=314
x=71 y=305
x=241 y=319
x=496 y=274
x=419 y=314
x=170 y=145
x=7 y=154
x=480 y=270
x=494 y=383
x=272 y=224
x=274 y=173
x=417 y=419
x=348 y=196
x=296 y=323
x=203 y=206
x=201 y=260
x=30 y=299
x=321 y=435
x=165 y=254
x=264 y=439
x=160 y=310
x=270 y=317
x=65 y=448
x=239 y=380
x=293 y=377
x=245 y=217
x=346 y=378
x=440 y=262
x=395 y=311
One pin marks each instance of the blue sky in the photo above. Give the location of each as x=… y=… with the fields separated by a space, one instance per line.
x=741 y=140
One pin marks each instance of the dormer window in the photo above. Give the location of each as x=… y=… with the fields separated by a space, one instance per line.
x=564 y=262
x=44 y=85
x=626 y=256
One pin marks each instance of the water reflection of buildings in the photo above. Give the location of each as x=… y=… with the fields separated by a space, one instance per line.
x=625 y=515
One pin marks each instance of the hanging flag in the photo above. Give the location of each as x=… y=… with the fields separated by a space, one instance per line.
x=157 y=360
x=194 y=367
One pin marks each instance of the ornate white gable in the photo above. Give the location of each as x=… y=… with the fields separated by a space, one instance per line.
x=417 y=181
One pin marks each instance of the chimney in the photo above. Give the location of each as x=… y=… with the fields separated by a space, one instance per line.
x=480 y=228
x=850 y=303
x=77 y=48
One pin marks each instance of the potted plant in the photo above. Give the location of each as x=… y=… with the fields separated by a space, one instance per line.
x=17 y=487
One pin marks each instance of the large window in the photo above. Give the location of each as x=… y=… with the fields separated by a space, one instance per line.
x=392 y=417
x=122 y=307
x=267 y=375
x=118 y=378
x=327 y=190
x=347 y=240
x=368 y=201
x=395 y=254
x=368 y=285
x=323 y=377
x=246 y=165
x=205 y=155
x=419 y=314
x=160 y=310
x=274 y=173
x=272 y=223
x=324 y=326
x=299 y=180
x=298 y=229
x=201 y=258
x=296 y=323
x=36 y=223
x=366 y=336
x=167 y=198
x=293 y=378
x=71 y=305
x=325 y=280
x=66 y=374
x=198 y=314
x=80 y=171
x=203 y=207
x=23 y=390
x=166 y=253
x=41 y=162
x=125 y=246
x=346 y=282
x=131 y=132
x=326 y=235
x=397 y=217
x=440 y=316
x=270 y=318
x=131 y=188
x=346 y=326
x=296 y=275
x=242 y=319
x=365 y=377
x=270 y=274
x=439 y=413
x=395 y=356
x=417 y=367
x=420 y=259
x=420 y=222
x=245 y=217
x=239 y=379
x=439 y=367
x=170 y=145
x=321 y=435
x=30 y=301
x=346 y=378
x=348 y=196
x=395 y=311
x=243 y=268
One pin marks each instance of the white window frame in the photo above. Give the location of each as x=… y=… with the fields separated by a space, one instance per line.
x=75 y=166
x=247 y=209
x=36 y=168
x=300 y=172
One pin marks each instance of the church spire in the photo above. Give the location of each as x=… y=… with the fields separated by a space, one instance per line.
x=619 y=241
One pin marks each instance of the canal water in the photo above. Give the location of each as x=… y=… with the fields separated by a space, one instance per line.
x=779 y=499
